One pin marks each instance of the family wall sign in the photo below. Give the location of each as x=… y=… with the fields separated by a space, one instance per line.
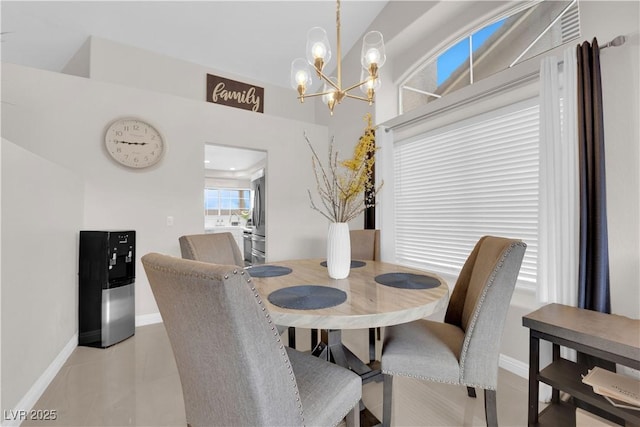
x=236 y=94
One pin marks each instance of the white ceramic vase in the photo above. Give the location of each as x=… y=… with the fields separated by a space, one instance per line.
x=338 y=250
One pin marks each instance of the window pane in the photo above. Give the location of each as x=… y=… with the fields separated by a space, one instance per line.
x=245 y=199
x=414 y=91
x=496 y=47
x=487 y=56
x=223 y=201
x=453 y=63
x=533 y=27
x=211 y=204
x=456 y=184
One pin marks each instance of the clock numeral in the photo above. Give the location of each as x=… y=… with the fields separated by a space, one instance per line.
x=136 y=127
x=118 y=133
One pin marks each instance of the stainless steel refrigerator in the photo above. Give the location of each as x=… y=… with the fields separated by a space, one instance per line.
x=258 y=236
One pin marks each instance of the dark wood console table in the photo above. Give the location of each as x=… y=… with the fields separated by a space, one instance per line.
x=610 y=337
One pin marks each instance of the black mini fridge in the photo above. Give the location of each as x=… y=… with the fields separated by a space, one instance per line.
x=107 y=272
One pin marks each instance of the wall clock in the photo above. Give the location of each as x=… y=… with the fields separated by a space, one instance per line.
x=134 y=143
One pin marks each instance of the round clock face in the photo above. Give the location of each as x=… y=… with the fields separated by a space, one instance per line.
x=134 y=143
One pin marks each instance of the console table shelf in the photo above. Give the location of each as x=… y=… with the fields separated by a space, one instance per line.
x=610 y=337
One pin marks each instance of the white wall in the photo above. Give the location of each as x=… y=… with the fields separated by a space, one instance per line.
x=72 y=114
x=62 y=119
x=127 y=65
x=41 y=214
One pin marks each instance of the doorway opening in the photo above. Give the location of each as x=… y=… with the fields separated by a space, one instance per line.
x=231 y=178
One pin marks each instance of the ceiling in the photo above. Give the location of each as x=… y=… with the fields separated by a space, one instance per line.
x=238 y=161
x=255 y=39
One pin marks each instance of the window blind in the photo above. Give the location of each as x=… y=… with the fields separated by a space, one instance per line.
x=458 y=183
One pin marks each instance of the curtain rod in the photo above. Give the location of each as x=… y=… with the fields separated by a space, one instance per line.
x=615 y=42
x=618 y=41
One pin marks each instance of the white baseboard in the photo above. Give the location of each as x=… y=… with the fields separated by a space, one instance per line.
x=148 y=319
x=514 y=366
x=522 y=370
x=31 y=397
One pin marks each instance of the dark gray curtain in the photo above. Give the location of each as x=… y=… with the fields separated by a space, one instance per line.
x=593 y=272
x=593 y=275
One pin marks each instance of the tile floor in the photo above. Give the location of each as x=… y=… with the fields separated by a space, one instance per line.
x=136 y=383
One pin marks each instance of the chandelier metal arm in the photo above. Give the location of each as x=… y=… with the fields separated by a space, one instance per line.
x=355 y=86
x=348 y=95
x=314 y=94
x=328 y=80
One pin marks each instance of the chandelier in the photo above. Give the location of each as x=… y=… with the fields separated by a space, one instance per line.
x=318 y=55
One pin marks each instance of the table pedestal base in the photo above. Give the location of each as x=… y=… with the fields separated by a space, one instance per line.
x=331 y=349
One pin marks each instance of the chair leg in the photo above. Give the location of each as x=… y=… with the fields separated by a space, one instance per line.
x=491 y=408
x=353 y=417
x=292 y=337
x=372 y=344
x=387 y=387
x=471 y=392
x=378 y=333
x=314 y=338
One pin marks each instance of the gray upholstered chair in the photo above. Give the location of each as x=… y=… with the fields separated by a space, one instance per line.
x=220 y=248
x=465 y=348
x=216 y=248
x=233 y=366
x=365 y=244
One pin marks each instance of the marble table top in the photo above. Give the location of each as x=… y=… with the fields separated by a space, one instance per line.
x=368 y=305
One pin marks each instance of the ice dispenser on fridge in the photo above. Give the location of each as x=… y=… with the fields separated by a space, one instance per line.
x=107 y=272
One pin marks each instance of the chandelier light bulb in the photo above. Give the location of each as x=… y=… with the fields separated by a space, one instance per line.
x=319 y=50
x=370 y=86
x=331 y=95
x=372 y=56
x=300 y=76
x=373 y=53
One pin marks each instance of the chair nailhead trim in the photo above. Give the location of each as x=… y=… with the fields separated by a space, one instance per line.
x=279 y=341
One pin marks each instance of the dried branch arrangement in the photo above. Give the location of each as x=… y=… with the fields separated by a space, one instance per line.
x=346 y=187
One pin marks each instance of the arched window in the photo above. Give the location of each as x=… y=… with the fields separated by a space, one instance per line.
x=502 y=43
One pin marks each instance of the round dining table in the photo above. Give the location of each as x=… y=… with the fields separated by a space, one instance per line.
x=368 y=304
x=359 y=301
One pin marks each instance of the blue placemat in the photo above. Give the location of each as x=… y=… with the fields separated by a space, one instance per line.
x=307 y=297
x=354 y=264
x=268 y=271
x=408 y=281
